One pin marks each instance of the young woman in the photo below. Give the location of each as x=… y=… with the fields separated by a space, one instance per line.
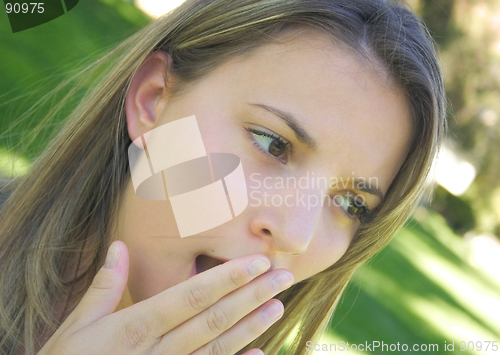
x=343 y=89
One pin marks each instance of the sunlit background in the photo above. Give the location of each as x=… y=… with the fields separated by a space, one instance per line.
x=439 y=280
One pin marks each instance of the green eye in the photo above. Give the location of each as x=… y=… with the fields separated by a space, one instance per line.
x=271 y=144
x=353 y=207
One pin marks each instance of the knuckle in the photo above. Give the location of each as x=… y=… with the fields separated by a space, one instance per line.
x=198 y=298
x=236 y=277
x=134 y=334
x=217 y=319
x=217 y=347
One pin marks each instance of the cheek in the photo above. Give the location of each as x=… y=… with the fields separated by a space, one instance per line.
x=218 y=131
x=322 y=253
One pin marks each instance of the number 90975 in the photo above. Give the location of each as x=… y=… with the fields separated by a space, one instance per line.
x=24 y=7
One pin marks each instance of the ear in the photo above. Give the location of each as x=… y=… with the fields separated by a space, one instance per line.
x=147 y=94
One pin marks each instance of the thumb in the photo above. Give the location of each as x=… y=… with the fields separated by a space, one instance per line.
x=106 y=290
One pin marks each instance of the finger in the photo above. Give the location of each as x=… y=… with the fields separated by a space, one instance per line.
x=172 y=307
x=253 y=352
x=103 y=296
x=216 y=319
x=246 y=330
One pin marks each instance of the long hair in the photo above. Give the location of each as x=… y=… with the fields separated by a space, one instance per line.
x=65 y=207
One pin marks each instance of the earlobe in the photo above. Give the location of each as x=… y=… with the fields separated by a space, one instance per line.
x=145 y=98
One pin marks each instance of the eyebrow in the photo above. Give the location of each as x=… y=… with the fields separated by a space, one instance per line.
x=370 y=190
x=291 y=122
x=305 y=138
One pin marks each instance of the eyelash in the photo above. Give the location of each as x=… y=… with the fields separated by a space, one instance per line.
x=281 y=140
x=364 y=217
x=366 y=214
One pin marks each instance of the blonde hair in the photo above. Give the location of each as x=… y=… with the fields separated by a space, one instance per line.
x=65 y=207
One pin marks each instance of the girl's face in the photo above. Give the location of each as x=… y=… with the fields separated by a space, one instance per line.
x=306 y=119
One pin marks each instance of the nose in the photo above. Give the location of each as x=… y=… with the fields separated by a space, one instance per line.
x=288 y=223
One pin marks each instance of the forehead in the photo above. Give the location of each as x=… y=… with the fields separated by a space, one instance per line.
x=358 y=117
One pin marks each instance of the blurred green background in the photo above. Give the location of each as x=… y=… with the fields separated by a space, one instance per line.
x=439 y=280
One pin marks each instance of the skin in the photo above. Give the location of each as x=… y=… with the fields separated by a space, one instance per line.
x=359 y=120
x=146 y=302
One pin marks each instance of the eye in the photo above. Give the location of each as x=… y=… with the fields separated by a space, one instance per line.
x=271 y=144
x=354 y=207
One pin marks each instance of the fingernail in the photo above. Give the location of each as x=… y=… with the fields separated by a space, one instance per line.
x=113 y=256
x=282 y=280
x=272 y=312
x=258 y=266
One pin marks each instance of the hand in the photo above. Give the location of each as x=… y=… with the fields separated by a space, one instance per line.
x=216 y=312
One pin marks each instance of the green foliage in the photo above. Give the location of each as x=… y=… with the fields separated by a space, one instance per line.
x=456 y=209
x=421 y=289
x=468 y=35
x=33 y=62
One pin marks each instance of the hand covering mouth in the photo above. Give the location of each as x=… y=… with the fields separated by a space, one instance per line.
x=205 y=262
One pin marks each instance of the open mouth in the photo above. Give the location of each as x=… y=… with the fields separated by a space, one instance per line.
x=205 y=262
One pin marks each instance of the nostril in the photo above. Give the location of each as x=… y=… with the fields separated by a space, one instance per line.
x=266 y=231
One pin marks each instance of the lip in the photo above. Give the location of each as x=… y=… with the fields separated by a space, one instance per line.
x=193 y=269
